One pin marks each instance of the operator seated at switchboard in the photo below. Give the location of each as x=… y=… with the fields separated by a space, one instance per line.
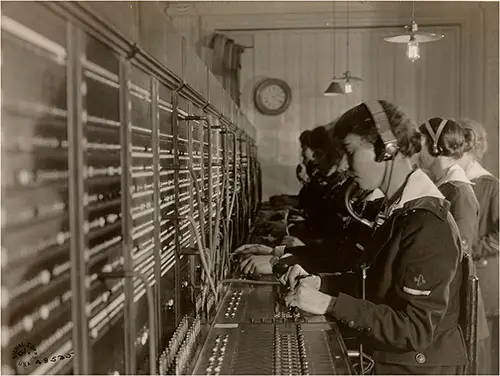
x=407 y=304
x=328 y=230
x=320 y=158
x=321 y=200
x=304 y=171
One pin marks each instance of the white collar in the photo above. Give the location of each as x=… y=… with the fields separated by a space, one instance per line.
x=474 y=170
x=454 y=173
x=418 y=185
x=375 y=195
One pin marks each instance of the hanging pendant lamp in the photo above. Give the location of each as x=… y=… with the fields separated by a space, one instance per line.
x=334 y=89
x=346 y=77
x=413 y=37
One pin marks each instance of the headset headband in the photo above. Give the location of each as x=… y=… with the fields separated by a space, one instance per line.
x=383 y=127
x=435 y=136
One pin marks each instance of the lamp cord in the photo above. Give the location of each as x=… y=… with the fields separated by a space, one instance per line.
x=347 y=39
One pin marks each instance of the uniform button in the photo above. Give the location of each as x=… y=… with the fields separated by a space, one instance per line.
x=368 y=330
x=420 y=358
x=484 y=262
x=350 y=324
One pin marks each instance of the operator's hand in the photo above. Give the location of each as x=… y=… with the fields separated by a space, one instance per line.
x=257 y=264
x=291 y=241
x=308 y=299
x=297 y=274
x=253 y=249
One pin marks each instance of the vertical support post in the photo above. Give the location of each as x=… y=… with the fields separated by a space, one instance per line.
x=175 y=140
x=77 y=209
x=155 y=123
x=126 y=185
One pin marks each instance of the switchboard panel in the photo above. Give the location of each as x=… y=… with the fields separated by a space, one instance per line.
x=121 y=195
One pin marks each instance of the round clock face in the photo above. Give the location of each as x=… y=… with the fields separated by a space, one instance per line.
x=272 y=96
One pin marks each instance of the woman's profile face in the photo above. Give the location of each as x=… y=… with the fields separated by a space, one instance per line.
x=359 y=158
x=307 y=154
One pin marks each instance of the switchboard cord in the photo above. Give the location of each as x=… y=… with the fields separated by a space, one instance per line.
x=217 y=263
x=151 y=310
x=197 y=190
x=368 y=363
x=227 y=230
x=201 y=250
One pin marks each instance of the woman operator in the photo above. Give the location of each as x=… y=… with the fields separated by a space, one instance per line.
x=485 y=251
x=443 y=145
x=409 y=319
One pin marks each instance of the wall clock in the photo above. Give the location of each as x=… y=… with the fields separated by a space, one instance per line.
x=272 y=96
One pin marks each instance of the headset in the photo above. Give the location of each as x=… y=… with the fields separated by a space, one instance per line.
x=383 y=126
x=436 y=150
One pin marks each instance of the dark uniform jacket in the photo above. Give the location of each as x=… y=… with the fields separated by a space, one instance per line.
x=457 y=189
x=485 y=250
x=409 y=320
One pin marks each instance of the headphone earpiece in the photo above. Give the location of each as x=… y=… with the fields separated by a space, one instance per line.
x=383 y=127
x=436 y=150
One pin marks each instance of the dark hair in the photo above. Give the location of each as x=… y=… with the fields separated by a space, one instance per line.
x=327 y=151
x=305 y=139
x=358 y=120
x=451 y=141
x=475 y=137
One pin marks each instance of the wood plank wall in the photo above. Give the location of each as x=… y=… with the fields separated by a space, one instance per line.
x=305 y=60
x=457 y=76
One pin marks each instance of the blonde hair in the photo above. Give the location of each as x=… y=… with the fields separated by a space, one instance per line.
x=476 y=137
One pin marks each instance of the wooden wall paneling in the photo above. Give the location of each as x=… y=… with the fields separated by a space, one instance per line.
x=323 y=74
x=386 y=68
x=266 y=137
x=174 y=50
x=356 y=63
x=247 y=82
x=277 y=124
x=152 y=30
x=472 y=66
x=307 y=80
x=124 y=15
x=191 y=68
x=405 y=85
x=324 y=79
x=491 y=79
x=292 y=74
x=370 y=67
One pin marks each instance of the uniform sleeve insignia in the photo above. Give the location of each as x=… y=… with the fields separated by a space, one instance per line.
x=416 y=292
x=419 y=280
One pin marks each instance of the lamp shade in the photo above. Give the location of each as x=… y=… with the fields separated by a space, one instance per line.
x=419 y=37
x=334 y=89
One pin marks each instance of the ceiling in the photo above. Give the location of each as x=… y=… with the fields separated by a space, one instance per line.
x=398 y=8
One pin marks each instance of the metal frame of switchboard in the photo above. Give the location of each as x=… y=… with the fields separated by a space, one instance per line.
x=80 y=22
x=77 y=211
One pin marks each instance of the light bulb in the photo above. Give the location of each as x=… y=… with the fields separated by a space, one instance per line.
x=412 y=50
x=348 y=87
